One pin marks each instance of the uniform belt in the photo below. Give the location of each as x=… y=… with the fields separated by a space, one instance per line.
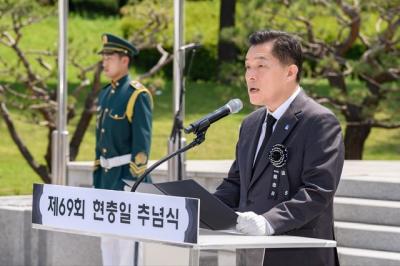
x=115 y=161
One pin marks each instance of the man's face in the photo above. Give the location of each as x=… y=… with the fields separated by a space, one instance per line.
x=266 y=77
x=114 y=65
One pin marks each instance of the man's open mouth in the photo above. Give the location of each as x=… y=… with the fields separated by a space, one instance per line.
x=254 y=89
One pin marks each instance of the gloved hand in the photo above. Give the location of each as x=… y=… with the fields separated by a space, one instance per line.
x=251 y=223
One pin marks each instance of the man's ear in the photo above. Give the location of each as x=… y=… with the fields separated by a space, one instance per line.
x=292 y=72
x=125 y=59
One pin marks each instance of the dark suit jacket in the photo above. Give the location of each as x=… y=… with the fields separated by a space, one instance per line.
x=312 y=136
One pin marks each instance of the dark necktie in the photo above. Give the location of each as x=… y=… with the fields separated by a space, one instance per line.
x=268 y=132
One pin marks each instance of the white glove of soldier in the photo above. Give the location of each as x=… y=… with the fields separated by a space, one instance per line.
x=251 y=223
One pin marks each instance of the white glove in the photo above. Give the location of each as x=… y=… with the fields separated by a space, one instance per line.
x=251 y=223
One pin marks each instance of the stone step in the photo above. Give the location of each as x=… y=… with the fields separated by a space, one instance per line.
x=367 y=236
x=370 y=187
x=363 y=257
x=367 y=211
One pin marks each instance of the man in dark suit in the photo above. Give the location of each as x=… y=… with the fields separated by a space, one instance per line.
x=289 y=156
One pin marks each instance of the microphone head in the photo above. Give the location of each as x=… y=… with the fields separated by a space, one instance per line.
x=234 y=105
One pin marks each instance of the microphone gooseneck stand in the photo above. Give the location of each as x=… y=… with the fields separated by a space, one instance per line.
x=200 y=137
x=176 y=132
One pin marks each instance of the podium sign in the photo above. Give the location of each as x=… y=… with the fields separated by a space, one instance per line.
x=118 y=213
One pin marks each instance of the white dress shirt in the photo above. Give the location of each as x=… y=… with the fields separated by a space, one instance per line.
x=277 y=114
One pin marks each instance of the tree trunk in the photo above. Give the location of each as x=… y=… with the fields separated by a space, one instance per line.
x=40 y=169
x=86 y=115
x=48 y=154
x=354 y=141
x=226 y=49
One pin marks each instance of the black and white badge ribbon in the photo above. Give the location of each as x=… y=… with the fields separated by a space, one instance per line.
x=278 y=157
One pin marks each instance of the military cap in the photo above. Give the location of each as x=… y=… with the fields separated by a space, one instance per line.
x=112 y=44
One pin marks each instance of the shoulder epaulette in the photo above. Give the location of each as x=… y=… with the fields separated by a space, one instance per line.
x=139 y=88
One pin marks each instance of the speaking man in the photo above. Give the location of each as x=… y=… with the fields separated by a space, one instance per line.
x=289 y=156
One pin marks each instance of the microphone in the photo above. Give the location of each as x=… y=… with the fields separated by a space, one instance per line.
x=190 y=46
x=232 y=107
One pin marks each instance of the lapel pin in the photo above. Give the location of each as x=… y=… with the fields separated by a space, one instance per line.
x=286 y=127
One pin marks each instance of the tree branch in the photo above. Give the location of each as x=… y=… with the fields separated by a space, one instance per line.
x=390 y=75
x=385 y=125
x=355 y=24
x=48 y=111
x=373 y=86
x=164 y=60
x=33 y=79
x=86 y=115
x=41 y=52
x=390 y=31
x=82 y=75
x=376 y=124
x=336 y=80
x=307 y=24
x=41 y=170
x=18 y=94
x=335 y=102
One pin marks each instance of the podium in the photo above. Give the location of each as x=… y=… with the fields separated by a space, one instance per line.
x=221 y=241
x=70 y=209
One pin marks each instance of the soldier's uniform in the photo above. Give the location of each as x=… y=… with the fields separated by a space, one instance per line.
x=123 y=133
x=123 y=130
x=123 y=138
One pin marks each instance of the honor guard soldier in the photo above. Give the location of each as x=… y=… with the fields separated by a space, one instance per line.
x=123 y=135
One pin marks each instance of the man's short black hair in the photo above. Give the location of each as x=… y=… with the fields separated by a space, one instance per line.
x=285 y=47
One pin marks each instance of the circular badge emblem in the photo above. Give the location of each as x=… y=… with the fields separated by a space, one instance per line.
x=278 y=155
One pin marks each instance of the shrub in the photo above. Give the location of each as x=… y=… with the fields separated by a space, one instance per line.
x=89 y=7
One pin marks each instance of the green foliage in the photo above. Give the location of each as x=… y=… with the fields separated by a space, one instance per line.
x=204 y=64
x=356 y=51
x=146 y=21
x=329 y=24
x=232 y=73
x=201 y=20
x=95 y=7
x=198 y=28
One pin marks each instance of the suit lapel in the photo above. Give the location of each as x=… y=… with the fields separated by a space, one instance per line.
x=282 y=130
x=252 y=142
